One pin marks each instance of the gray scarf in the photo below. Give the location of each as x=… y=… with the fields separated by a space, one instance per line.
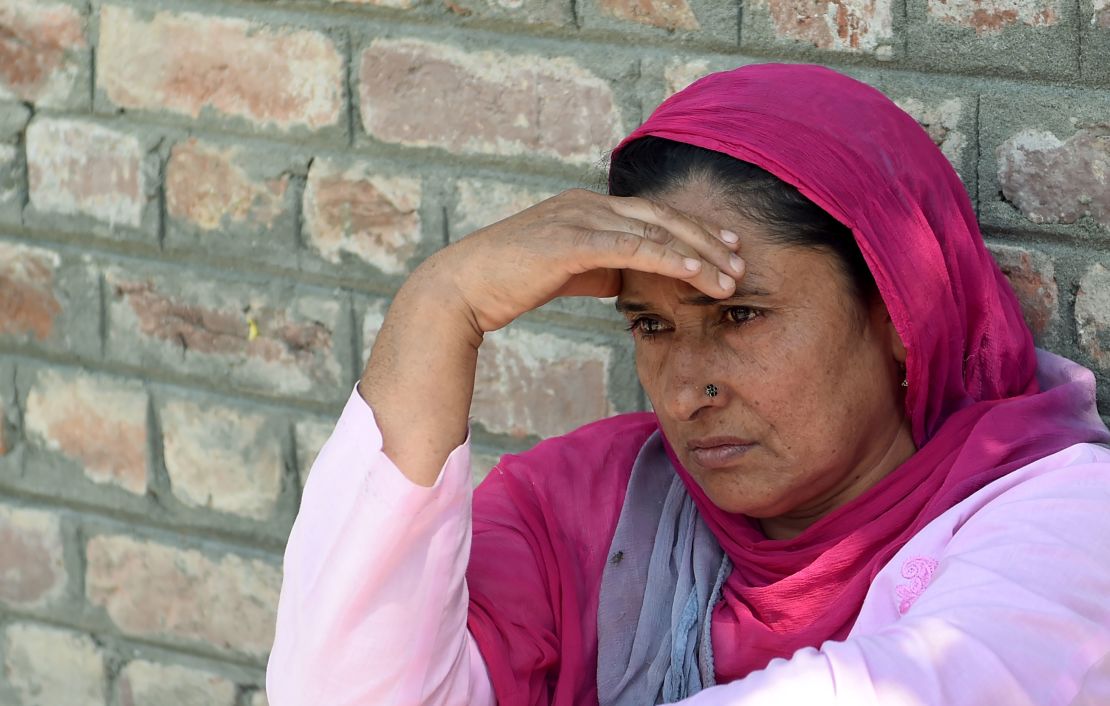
x=658 y=590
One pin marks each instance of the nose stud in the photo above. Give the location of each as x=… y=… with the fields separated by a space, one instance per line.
x=711 y=390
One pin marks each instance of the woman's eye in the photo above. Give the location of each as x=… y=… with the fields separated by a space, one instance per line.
x=740 y=314
x=645 y=326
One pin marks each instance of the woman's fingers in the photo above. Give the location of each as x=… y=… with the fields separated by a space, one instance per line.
x=661 y=224
x=621 y=250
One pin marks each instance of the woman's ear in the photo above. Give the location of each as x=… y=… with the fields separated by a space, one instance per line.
x=896 y=346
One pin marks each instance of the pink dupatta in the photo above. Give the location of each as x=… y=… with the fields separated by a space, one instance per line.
x=976 y=409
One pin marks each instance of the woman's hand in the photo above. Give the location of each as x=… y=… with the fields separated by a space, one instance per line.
x=576 y=244
x=420 y=376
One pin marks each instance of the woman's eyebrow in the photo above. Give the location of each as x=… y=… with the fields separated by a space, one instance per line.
x=743 y=291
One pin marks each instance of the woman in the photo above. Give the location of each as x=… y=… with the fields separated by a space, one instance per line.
x=860 y=483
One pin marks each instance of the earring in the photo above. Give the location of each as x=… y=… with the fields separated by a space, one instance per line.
x=905 y=383
x=711 y=390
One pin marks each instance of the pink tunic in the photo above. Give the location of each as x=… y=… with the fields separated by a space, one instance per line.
x=1004 y=599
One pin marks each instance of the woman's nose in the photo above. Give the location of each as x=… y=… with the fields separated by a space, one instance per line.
x=692 y=383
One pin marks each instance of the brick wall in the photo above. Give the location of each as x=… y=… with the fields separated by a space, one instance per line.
x=205 y=206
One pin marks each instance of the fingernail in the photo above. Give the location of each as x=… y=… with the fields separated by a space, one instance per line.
x=729 y=237
x=725 y=280
x=691 y=264
x=737 y=264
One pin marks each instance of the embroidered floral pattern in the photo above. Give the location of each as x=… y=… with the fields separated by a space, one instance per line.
x=919 y=570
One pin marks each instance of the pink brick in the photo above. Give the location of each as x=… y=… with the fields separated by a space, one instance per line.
x=539 y=384
x=422 y=94
x=210 y=188
x=143 y=683
x=665 y=14
x=266 y=339
x=81 y=168
x=1053 y=180
x=32 y=572
x=1033 y=277
x=1092 y=315
x=46 y=666
x=29 y=305
x=222 y=458
x=851 y=26
x=157 y=591
x=189 y=63
x=993 y=16
x=354 y=210
x=43 y=52
x=98 y=422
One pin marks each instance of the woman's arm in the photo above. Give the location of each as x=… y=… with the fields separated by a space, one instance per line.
x=1017 y=613
x=373 y=605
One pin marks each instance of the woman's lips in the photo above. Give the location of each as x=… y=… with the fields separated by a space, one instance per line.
x=718 y=452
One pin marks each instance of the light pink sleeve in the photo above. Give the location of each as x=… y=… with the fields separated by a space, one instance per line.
x=1016 y=614
x=374 y=601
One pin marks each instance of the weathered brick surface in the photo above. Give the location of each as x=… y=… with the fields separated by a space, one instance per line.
x=420 y=94
x=47 y=301
x=665 y=14
x=848 y=26
x=222 y=458
x=1033 y=276
x=162 y=592
x=1094 y=22
x=49 y=667
x=310 y=435
x=79 y=168
x=44 y=56
x=259 y=699
x=539 y=384
x=96 y=421
x=1044 y=162
x=354 y=210
x=196 y=65
x=32 y=569
x=276 y=339
x=1092 y=315
x=688 y=21
x=540 y=13
x=143 y=683
x=229 y=197
x=480 y=202
x=1022 y=37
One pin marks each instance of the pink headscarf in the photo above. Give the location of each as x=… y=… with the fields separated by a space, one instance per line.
x=974 y=404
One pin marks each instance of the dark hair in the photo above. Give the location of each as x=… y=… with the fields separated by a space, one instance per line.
x=651 y=166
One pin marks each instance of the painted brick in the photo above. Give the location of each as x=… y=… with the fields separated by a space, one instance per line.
x=48 y=301
x=161 y=592
x=664 y=14
x=1092 y=315
x=95 y=421
x=844 y=26
x=1044 y=162
x=539 y=384
x=143 y=683
x=32 y=572
x=480 y=202
x=197 y=65
x=228 y=197
x=1094 y=20
x=49 y=667
x=1033 y=38
x=994 y=16
x=356 y=211
x=222 y=458
x=275 y=339
x=548 y=13
x=311 y=435
x=1053 y=180
x=1032 y=275
x=80 y=168
x=422 y=94
x=44 y=58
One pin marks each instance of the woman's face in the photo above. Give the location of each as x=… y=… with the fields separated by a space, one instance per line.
x=808 y=412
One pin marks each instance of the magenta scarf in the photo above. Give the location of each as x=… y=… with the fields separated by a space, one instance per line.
x=975 y=407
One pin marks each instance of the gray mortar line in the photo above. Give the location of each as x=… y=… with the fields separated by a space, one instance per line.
x=978 y=154
x=102 y=304
x=355 y=338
